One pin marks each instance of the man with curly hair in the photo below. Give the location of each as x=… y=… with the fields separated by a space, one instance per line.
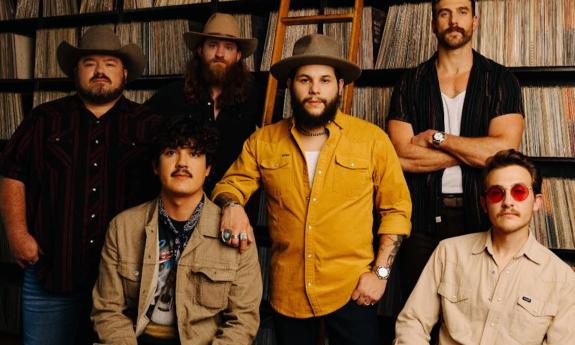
x=217 y=87
x=165 y=278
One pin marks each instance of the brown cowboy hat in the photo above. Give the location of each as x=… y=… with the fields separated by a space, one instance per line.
x=224 y=27
x=101 y=40
x=316 y=49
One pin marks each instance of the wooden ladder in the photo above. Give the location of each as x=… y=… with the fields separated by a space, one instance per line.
x=284 y=20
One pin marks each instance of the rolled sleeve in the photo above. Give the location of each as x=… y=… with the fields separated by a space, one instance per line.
x=392 y=197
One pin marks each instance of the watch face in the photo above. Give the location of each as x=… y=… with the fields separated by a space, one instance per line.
x=437 y=136
x=382 y=272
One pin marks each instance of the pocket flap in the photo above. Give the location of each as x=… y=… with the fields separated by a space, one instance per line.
x=535 y=307
x=216 y=274
x=129 y=270
x=351 y=162
x=275 y=163
x=453 y=293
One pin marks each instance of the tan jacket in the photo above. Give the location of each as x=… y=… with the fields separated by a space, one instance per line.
x=218 y=291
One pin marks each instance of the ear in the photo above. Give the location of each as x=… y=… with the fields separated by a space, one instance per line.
x=239 y=55
x=538 y=202
x=125 y=73
x=475 y=23
x=155 y=167
x=340 y=85
x=208 y=170
x=482 y=202
x=434 y=26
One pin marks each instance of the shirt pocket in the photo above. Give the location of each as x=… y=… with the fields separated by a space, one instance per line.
x=130 y=275
x=456 y=308
x=214 y=285
x=530 y=319
x=59 y=150
x=351 y=175
x=276 y=174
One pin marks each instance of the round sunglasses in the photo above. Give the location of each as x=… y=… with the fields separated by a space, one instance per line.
x=495 y=194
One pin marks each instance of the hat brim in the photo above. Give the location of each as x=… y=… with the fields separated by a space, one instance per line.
x=247 y=45
x=132 y=56
x=348 y=71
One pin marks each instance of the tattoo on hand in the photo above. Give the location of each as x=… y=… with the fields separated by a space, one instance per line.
x=395 y=244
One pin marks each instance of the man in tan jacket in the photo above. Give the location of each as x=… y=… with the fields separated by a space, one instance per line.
x=165 y=278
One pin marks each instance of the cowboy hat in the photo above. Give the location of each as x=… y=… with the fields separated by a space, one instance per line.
x=224 y=27
x=101 y=40
x=316 y=49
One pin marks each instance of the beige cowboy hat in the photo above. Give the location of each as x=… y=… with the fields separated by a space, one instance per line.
x=316 y=49
x=222 y=26
x=101 y=40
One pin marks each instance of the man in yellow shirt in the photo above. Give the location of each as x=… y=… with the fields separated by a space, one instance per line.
x=498 y=286
x=323 y=173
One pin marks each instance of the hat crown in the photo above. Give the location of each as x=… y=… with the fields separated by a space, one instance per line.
x=222 y=24
x=317 y=44
x=99 y=38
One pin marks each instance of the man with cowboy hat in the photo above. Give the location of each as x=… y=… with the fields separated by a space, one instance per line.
x=217 y=87
x=323 y=173
x=71 y=166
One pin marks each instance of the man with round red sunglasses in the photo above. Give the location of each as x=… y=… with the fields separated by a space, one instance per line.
x=500 y=286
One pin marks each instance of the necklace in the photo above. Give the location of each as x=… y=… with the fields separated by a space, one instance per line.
x=311 y=134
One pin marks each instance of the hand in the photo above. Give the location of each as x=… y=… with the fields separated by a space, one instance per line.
x=25 y=249
x=235 y=219
x=424 y=139
x=369 y=289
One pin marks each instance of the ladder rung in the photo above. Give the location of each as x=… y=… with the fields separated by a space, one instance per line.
x=327 y=18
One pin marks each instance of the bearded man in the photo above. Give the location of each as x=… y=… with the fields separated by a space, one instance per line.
x=71 y=166
x=323 y=173
x=217 y=87
x=448 y=115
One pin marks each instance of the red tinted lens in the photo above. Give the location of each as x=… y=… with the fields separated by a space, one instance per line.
x=519 y=192
x=495 y=194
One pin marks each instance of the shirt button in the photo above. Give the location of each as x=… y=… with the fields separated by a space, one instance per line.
x=136 y=273
x=308 y=284
x=91 y=241
x=309 y=256
x=314 y=199
x=493 y=272
x=133 y=143
x=209 y=103
x=95 y=164
x=319 y=172
x=352 y=164
x=94 y=189
x=499 y=299
x=96 y=141
x=97 y=122
x=92 y=216
x=309 y=227
x=57 y=139
x=492 y=324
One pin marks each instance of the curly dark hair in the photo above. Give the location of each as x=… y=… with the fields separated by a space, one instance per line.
x=434 y=3
x=187 y=131
x=505 y=158
x=236 y=90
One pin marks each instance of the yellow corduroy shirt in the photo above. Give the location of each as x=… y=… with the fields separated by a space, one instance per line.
x=322 y=238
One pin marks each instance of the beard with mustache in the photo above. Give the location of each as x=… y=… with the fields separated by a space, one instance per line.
x=304 y=119
x=98 y=94
x=216 y=71
x=443 y=41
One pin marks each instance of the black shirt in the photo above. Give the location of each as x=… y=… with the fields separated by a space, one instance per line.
x=235 y=123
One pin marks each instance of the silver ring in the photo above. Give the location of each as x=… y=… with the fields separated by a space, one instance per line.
x=243 y=236
x=234 y=237
x=367 y=303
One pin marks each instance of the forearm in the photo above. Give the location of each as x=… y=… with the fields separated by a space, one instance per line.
x=388 y=248
x=13 y=207
x=474 y=151
x=418 y=159
x=224 y=198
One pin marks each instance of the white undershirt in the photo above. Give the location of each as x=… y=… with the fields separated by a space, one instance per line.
x=311 y=159
x=452 y=180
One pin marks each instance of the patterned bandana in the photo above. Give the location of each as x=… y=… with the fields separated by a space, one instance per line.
x=181 y=237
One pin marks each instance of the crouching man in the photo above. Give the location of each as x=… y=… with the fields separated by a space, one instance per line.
x=165 y=277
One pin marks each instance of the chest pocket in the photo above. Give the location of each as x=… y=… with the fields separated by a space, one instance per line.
x=351 y=175
x=59 y=150
x=277 y=174
x=214 y=285
x=530 y=319
x=456 y=304
x=130 y=273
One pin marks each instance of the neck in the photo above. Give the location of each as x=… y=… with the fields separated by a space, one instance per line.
x=312 y=132
x=506 y=245
x=180 y=208
x=215 y=91
x=99 y=109
x=455 y=61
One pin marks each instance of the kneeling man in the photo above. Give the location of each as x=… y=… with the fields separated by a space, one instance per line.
x=499 y=286
x=165 y=277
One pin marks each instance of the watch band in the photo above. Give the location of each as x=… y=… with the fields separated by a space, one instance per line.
x=231 y=203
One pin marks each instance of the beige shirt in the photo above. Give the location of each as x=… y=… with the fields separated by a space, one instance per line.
x=531 y=301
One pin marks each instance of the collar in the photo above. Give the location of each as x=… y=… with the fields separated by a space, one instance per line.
x=531 y=249
x=480 y=62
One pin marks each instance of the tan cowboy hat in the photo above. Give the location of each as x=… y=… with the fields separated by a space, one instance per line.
x=316 y=49
x=101 y=40
x=222 y=26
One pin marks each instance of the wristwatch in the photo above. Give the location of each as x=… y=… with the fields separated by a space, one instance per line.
x=231 y=203
x=438 y=138
x=381 y=272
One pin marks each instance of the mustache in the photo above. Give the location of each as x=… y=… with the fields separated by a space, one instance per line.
x=100 y=76
x=456 y=28
x=307 y=99
x=214 y=60
x=509 y=211
x=180 y=171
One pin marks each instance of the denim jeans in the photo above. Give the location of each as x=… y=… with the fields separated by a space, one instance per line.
x=51 y=318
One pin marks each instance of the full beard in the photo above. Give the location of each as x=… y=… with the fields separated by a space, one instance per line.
x=98 y=94
x=216 y=74
x=306 y=120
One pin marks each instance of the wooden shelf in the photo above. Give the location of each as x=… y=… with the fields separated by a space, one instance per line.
x=555 y=166
x=565 y=254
